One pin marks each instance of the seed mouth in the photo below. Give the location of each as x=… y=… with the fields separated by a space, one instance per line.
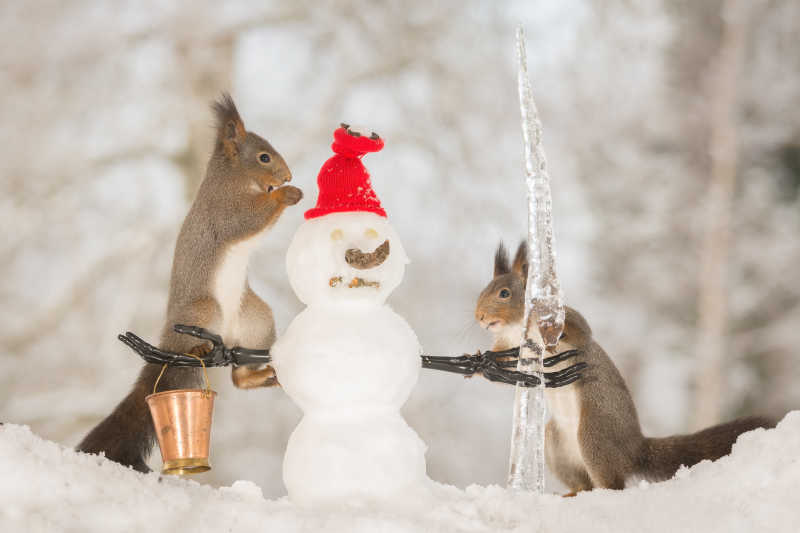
x=366 y=260
x=360 y=282
x=354 y=283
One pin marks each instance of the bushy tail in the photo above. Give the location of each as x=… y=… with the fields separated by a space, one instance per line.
x=664 y=456
x=127 y=434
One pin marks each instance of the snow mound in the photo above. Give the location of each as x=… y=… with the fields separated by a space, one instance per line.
x=46 y=487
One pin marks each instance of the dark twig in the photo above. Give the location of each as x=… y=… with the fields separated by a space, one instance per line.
x=495 y=366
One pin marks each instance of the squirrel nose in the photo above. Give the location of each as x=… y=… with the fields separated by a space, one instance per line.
x=483 y=315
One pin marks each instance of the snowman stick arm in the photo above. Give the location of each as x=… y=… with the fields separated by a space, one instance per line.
x=514 y=353
x=246 y=356
x=552 y=380
x=565 y=376
x=219 y=355
x=152 y=354
x=460 y=365
x=222 y=355
x=499 y=362
x=511 y=352
x=511 y=377
x=496 y=366
x=557 y=358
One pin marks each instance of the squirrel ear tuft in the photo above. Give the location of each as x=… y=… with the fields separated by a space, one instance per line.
x=230 y=128
x=520 y=266
x=501 y=261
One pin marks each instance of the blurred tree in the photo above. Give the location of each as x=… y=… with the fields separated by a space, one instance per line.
x=713 y=283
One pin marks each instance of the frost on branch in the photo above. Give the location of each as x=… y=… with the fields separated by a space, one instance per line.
x=544 y=304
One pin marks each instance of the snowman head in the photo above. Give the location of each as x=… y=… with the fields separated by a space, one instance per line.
x=346 y=251
x=345 y=257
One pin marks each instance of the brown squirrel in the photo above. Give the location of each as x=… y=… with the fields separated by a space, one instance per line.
x=593 y=439
x=241 y=196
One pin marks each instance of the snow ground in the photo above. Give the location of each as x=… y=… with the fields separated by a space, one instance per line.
x=47 y=487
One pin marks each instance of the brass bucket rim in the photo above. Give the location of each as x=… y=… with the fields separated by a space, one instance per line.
x=186 y=466
x=204 y=392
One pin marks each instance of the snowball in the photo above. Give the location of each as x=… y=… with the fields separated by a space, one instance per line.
x=316 y=256
x=366 y=458
x=347 y=358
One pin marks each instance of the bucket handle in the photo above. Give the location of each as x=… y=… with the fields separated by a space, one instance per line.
x=206 y=391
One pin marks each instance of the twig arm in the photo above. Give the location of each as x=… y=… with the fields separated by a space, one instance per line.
x=219 y=355
x=500 y=367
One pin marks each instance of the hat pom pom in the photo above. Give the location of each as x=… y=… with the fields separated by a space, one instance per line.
x=352 y=143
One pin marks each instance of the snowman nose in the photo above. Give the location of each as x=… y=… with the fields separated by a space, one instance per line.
x=365 y=260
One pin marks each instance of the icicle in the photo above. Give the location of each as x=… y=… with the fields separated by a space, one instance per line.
x=544 y=305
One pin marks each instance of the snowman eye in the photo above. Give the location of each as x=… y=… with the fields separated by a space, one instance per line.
x=371 y=233
x=336 y=235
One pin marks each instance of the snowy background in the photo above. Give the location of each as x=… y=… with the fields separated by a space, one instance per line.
x=106 y=132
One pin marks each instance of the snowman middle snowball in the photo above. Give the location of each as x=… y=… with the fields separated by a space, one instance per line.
x=348 y=360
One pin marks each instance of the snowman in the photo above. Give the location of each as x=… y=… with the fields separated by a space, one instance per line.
x=348 y=360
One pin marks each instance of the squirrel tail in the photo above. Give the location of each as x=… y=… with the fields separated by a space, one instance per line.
x=665 y=455
x=126 y=436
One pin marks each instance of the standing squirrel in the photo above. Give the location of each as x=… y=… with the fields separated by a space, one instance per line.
x=593 y=439
x=241 y=196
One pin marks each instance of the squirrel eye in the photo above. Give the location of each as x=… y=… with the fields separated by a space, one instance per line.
x=505 y=293
x=264 y=158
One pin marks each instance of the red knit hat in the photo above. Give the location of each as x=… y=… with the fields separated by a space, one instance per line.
x=343 y=181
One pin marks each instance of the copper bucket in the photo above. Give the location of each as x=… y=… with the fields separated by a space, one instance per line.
x=182 y=419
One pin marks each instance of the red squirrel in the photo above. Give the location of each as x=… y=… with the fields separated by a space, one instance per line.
x=242 y=195
x=593 y=438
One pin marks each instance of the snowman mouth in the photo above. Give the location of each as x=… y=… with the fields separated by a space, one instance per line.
x=354 y=283
x=366 y=260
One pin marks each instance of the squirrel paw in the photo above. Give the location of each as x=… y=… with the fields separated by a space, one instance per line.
x=248 y=378
x=288 y=194
x=201 y=350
